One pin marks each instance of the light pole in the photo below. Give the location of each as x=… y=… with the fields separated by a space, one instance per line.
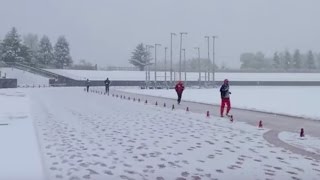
x=182 y=33
x=208 y=38
x=213 y=63
x=165 y=66
x=172 y=34
x=147 y=64
x=155 y=64
x=184 y=65
x=199 y=65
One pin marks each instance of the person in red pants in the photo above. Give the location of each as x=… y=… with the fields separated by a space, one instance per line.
x=179 y=89
x=225 y=97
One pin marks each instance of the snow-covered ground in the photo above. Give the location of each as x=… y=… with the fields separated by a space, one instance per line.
x=308 y=143
x=296 y=101
x=140 y=75
x=24 y=78
x=19 y=151
x=90 y=136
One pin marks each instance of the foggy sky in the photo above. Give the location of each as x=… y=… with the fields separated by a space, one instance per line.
x=106 y=32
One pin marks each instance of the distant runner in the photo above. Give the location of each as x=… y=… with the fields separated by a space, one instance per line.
x=88 y=84
x=179 y=89
x=225 y=97
x=107 y=84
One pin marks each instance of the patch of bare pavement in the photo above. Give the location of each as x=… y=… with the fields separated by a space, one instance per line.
x=275 y=122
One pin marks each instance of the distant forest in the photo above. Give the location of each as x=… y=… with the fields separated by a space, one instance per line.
x=29 y=50
x=281 y=61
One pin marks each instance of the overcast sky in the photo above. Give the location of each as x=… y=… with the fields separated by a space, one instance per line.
x=106 y=31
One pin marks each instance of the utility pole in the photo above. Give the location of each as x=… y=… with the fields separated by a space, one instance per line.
x=199 y=66
x=165 y=66
x=148 y=47
x=182 y=33
x=184 y=65
x=213 y=61
x=208 y=38
x=172 y=34
x=155 y=65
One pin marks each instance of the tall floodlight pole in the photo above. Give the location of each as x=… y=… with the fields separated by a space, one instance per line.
x=148 y=47
x=182 y=33
x=213 y=61
x=208 y=38
x=146 y=66
x=165 y=66
x=184 y=65
x=199 y=65
x=172 y=34
x=155 y=65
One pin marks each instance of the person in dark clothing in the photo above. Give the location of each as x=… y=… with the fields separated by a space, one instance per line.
x=107 y=84
x=88 y=84
x=179 y=89
x=225 y=97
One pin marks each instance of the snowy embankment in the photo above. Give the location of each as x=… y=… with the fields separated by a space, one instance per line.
x=24 y=78
x=19 y=151
x=295 y=101
x=140 y=75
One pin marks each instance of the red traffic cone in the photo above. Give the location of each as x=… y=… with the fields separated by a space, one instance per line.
x=208 y=114
x=187 y=109
x=260 y=124
x=172 y=106
x=302 y=132
x=156 y=103
x=231 y=118
x=164 y=105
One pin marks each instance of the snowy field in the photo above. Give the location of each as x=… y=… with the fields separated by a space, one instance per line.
x=89 y=136
x=19 y=152
x=24 y=78
x=140 y=75
x=296 y=101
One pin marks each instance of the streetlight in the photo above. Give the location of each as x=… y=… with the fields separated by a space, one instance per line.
x=147 y=64
x=213 y=63
x=155 y=64
x=207 y=37
x=199 y=65
x=172 y=34
x=165 y=66
x=182 y=33
x=184 y=65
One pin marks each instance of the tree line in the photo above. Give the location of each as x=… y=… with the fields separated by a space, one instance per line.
x=29 y=50
x=281 y=61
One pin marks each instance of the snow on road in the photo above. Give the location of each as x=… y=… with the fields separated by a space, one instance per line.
x=90 y=136
x=19 y=151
